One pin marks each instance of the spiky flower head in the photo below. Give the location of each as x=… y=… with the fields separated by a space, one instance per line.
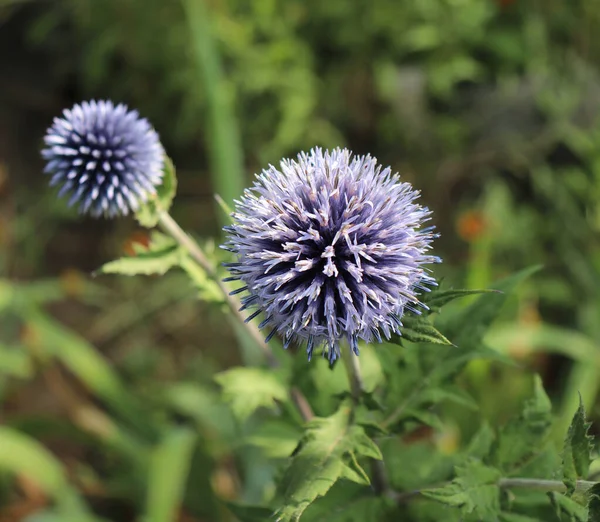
x=329 y=247
x=105 y=156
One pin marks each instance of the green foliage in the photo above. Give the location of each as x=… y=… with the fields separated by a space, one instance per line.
x=522 y=445
x=577 y=450
x=418 y=329
x=207 y=289
x=594 y=503
x=169 y=466
x=327 y=452
x=326 y=465
x=20 y=454
x=493 y=104
x=474 y=490
x=567 y=510
x=247 y=389
x=159 y=257
x=149 y=214
x=466 y=328
x=521 y=439
x=349 y=502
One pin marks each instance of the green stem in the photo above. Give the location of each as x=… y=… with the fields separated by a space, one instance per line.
x=543 y=485
x=171 y=227
x=509 y=483
x=357 y=387
x=352 y=364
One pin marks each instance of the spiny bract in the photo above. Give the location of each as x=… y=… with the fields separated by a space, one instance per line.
x=330 y=247
x=108 y=158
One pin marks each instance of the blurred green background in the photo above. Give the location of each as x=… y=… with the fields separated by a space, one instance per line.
x=490 y=107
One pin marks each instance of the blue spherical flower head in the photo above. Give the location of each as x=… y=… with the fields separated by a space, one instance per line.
x=105 y=156
x=329 y=247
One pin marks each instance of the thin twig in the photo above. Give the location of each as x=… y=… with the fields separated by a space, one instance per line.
x=171 y=227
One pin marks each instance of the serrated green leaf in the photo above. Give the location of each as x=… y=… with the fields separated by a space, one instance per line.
x=347 y=502
x=594 y=503
x=474 y=490
x=327 y=452
x=577 y=449
x=161 y=255
x=466 y=328
x=246 y=513
x=524 y=437
x=438 y=298
x=247 y=389
x=208 y=290
x=148 y=214
x=418 y=329
x=567 y=510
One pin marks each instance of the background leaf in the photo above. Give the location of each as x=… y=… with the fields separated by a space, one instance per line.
x=169 y=465
x=247 y=389
x=21 y=455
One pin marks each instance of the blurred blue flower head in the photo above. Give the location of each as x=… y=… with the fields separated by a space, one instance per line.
x=329 y=247
x=105 y=156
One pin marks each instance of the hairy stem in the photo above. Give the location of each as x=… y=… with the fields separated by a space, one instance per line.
x=510 y=483
x=543 y=485
x=357 y=387
x=171 y=227
x=352 y=365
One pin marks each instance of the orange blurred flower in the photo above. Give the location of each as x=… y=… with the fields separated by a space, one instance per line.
x=138 y=237
x=471 y=225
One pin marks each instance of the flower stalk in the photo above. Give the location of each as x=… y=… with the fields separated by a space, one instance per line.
x=172 y=228
x=352 y=365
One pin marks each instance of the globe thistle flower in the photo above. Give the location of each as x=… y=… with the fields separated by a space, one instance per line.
x=330 y=247
x=105 y=156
